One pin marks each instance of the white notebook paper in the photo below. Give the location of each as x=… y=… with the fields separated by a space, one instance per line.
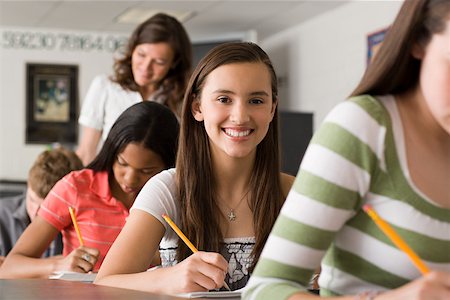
x=73 y=276
x=214 y=294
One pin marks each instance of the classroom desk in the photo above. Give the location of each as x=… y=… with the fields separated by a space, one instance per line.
x=47 y=289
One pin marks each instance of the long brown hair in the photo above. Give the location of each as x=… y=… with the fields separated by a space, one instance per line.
x=159 y=28
x=196 y=187
x=394 y=70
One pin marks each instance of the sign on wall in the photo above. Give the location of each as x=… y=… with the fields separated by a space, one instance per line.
x=60 y=41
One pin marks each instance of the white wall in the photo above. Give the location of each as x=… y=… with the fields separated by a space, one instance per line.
x=16 y=157
x=321 y=61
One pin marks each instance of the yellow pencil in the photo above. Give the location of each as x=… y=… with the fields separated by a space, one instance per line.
x=396 y=239
x=75 y=224
x=185 y=239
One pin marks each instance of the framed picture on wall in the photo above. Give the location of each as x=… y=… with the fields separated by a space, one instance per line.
x=51 y=103
x=374 y=41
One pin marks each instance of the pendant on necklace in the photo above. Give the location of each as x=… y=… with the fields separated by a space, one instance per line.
x=231 y=216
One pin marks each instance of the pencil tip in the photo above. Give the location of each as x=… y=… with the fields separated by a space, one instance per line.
x=367 y=207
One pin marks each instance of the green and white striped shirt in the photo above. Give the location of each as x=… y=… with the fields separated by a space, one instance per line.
x=356 y=157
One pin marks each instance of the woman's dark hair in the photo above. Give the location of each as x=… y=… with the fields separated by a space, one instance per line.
x=147 y=123
x=394 y=69
x=200 y=214
x=160 y=28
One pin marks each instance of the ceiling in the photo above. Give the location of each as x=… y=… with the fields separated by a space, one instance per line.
x=209 y=19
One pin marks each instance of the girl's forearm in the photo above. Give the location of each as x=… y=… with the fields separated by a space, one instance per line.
x=20 y=266
x=148 y=281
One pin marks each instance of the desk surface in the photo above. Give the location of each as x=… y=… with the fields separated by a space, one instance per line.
x=46 y=289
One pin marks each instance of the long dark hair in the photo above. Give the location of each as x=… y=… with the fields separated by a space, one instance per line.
x=159 y=28
x=147 y=123
x=394 y=70
x=199 y=212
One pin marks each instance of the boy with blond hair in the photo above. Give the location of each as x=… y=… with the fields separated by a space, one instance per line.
x=17 y=212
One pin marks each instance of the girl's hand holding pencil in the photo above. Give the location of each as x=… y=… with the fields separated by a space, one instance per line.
x=202 y=270
x=81 y=259
x=77 y=261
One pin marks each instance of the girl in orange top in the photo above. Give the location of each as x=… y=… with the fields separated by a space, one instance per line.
x=141 y=144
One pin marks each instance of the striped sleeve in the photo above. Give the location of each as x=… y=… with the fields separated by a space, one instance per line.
x=334 y=176
x=61 y=196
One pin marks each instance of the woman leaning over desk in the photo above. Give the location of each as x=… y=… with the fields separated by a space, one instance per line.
x=155 y=67
x=388 y=146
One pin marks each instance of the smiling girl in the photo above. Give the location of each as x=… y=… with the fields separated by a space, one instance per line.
x=141 y=144
x=226 y=190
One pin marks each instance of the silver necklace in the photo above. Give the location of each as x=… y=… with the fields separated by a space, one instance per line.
x=232 y=211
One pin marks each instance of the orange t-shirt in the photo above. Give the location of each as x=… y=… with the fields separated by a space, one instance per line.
x=100 y=216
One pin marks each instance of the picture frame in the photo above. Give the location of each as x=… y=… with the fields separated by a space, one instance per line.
x=374 y=41
x=51 y=103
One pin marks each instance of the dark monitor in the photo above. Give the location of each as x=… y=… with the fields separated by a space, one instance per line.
x=199 y=50
x=296 y=130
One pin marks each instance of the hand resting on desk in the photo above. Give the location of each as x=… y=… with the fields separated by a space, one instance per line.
x=82 y=260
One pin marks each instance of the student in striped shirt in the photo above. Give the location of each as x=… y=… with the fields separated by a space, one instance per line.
x=141 y=143
x=389 y=145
